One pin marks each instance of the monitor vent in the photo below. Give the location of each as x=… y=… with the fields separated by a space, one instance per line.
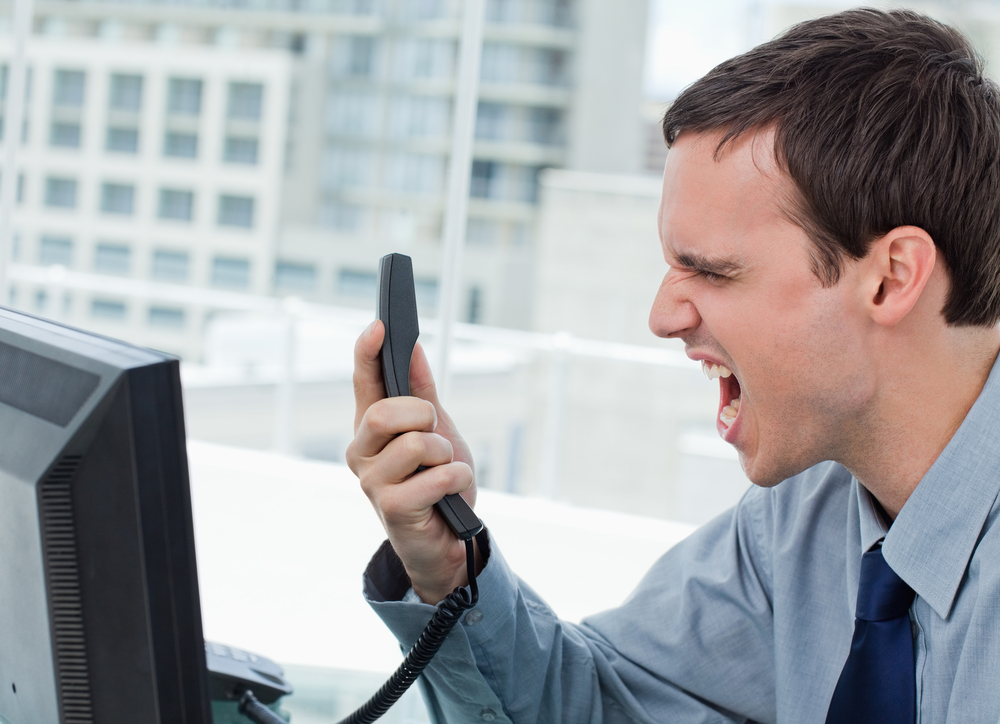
x=63 y=572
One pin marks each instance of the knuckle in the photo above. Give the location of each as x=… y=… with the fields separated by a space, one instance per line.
x=413 y=444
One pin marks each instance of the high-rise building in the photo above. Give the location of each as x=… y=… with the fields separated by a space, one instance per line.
x=282 y=146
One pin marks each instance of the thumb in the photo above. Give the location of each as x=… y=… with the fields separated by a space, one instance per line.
x=421 y=379
x=369 y=387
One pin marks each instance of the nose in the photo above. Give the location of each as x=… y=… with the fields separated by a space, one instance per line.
x=673 y=313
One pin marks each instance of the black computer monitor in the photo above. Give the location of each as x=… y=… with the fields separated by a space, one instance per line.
x=100 y=620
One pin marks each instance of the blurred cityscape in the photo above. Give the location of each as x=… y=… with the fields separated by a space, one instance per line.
x=219 y=179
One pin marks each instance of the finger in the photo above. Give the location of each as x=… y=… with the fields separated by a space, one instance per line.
x=387 y=418
x=421 y=378
x=369 y=387
x=406 y=453
x=409 y=500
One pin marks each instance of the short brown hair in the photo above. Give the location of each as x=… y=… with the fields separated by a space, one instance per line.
x=882 y=119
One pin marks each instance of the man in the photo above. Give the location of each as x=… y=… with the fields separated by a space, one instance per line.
x=831 y=222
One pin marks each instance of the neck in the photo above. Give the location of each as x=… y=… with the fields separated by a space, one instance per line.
x=924 y=394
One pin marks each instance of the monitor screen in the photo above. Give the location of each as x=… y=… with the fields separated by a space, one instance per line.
x=100 y=620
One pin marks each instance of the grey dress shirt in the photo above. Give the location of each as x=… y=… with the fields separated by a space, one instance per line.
x=750 y=618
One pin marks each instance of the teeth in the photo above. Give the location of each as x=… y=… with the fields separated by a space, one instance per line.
x=713 y=372
x=729 y=412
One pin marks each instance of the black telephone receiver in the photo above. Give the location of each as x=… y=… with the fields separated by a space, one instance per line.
x=397 y=308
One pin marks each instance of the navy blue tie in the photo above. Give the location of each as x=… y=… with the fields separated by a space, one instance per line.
x=877 y=685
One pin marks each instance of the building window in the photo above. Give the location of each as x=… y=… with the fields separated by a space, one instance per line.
x=60 y=193
x=123 y=140
x=483 y=184
x=55 y=250
x=236 y=211
x=361 y=56
x=107 y=309
x=176 y=204
x=180 y=145
x=68 y=89
x=184 y=97
x=240 y=150
x=545 y=126
x=351 y=283
x=126 y=93
x=245 y=101
x=481 y=231
x=475 y=312
x=112 y=259
x=426 y=291
x=117 y=198
x=170 y=266
x=490 y=119
x=340 y=216
x=300 y=277
x=169 y=317
x=65 y=135
x=232 y=273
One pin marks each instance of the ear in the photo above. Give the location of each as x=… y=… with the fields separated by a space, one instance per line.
x=898 y=267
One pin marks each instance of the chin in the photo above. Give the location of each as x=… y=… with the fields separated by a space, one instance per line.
x=767 y=473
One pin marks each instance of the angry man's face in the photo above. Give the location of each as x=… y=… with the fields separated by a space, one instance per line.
x=789 y=354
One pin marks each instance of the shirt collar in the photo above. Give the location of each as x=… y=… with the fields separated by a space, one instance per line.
x=873 y=526
x=933 y=537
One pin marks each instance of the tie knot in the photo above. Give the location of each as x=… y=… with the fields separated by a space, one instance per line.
x=882 y=595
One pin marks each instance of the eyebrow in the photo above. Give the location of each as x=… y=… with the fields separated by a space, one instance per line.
x=709 y=264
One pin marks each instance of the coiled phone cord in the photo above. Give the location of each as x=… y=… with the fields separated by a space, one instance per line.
x=447 y=615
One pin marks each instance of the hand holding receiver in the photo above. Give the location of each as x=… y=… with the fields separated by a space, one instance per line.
x=393 y=438
x=397 y=309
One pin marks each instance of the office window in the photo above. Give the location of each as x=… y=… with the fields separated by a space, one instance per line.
x=240 y=150
x=474 y=314
x=340 y=216
x=245 y=101
x=354 y=113
x=169 y=317
x=112 y=259
x=229 y=272
x=122 y=140
x=483 y=184
x=107 y=309
x=117 y=198
x=352 y=283
x=65 y=135
x=415 y=172
x=126 y=92
x=68 y=89
x=170 y=266
x=545 y=125
x=424 y=58
x=3 y=81
x=501 y=63
x=346 y=167
x=415 y=116
x=180 y=145
x=60 y=193
x=184 y=96
x=361 y=56
x=490 y=119
x=551 y=67
x=55 y=250
x=176 y=204
x=236 y=211
x=292 y=276
x=481 y=231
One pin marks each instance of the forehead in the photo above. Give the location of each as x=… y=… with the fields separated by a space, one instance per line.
x=730 y=203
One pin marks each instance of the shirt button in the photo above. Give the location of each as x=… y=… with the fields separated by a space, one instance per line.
x=471 y=619
x=487 y=714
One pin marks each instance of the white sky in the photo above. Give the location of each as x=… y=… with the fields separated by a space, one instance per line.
x=687 y=38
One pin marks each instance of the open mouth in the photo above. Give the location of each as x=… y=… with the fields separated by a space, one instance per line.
x=729 y=392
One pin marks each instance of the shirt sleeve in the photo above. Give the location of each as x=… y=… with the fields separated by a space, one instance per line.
x=692 y=644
